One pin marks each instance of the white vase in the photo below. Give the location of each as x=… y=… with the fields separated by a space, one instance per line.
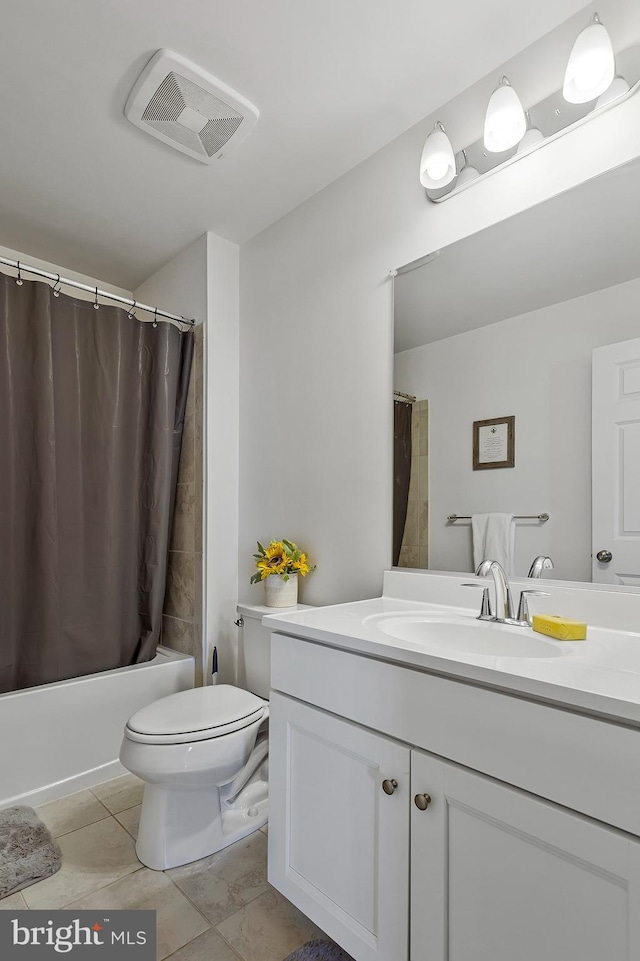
x=281 y=593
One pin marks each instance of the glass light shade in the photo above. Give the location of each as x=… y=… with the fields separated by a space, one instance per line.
x=616 y=89
x=591 y=66
x=532 y=136
x=437 y=164
x=504 y=122
x=467 y=174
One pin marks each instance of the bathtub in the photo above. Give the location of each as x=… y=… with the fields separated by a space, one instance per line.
x=59 y=738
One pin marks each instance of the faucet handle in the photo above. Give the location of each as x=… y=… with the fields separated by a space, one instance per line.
x=485 y=608
x=540 y=563
x=523 y=606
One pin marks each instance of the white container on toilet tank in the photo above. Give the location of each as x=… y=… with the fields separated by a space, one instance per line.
x=254 y=647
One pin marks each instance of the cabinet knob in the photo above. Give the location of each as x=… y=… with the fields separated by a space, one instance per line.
x=422 y=801
x=389 y=786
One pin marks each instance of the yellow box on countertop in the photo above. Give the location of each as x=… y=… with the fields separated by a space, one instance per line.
x=562 y=628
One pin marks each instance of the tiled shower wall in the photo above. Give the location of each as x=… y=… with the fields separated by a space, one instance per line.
x=182 y=612
x=415 y=541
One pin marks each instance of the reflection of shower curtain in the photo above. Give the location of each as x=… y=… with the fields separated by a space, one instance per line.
x=91 y=412
x=401 y=471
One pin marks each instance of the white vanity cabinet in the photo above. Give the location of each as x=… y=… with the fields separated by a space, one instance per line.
x=467 y=858
x=339 y=845
x=500 y=875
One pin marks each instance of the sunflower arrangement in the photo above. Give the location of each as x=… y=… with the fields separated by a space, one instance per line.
x=280 y=557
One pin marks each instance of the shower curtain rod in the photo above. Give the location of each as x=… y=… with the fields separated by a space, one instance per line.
x=20 y=266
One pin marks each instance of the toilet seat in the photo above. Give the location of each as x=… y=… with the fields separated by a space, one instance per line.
x=196 y=715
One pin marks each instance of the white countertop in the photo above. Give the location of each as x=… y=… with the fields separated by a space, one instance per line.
x=600 y=675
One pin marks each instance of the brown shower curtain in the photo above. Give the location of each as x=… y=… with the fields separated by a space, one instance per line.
x=401 y=472
x=91 y=412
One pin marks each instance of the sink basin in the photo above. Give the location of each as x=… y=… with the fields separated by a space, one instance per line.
x=450 y=633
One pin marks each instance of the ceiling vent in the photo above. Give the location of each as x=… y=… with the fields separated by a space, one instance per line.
x=185 y=107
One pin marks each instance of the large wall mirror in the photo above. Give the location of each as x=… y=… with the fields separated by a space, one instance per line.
x=512 y=322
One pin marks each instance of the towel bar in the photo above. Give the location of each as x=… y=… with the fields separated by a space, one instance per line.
x=520 y=517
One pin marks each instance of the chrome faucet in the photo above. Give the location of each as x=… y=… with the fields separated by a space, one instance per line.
x=540 y=564
x=504 y=601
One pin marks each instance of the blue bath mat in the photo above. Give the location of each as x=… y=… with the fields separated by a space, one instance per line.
x=28 y=853
x=319 y=951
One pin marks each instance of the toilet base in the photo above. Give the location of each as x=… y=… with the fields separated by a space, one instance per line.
x=180 y=826
x=248 y=813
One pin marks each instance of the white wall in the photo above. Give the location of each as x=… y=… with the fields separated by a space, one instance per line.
x=316 y=341
x=180 y=286
x=221 y=455
x=537 y=367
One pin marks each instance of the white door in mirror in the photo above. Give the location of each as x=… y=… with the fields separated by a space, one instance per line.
x=616 y=463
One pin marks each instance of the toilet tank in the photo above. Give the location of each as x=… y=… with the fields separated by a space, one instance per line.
x=254 y=646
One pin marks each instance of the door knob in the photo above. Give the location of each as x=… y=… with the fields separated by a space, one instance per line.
x=422 y=801
x=389 y=785
x=604 y=556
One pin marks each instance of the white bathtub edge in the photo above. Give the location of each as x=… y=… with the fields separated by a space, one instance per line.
x=59 y=789
x=65 y=737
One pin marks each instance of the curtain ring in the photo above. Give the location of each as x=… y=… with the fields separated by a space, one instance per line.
x=155 y=316
x=132 y=311
x=19 y=280
x=56 y=292
x=96 y=305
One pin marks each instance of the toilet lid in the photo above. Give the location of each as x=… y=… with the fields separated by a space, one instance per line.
x=197 y=714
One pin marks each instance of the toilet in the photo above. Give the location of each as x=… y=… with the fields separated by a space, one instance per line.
x=203 y=755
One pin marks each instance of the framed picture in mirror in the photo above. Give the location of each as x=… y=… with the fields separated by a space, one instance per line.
x=494 y=443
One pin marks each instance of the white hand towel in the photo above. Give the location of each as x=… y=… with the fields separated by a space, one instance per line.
x=494 y=539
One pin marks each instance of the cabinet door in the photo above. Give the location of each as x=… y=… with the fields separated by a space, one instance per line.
x=338 y=844
x=500 y=875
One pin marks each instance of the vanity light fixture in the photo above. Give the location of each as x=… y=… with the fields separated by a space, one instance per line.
x=591 y=67
x=504 y=123
x=591 y=87
x=618 y=88
x=467 y=171
x=532 y=136
x=437 y=163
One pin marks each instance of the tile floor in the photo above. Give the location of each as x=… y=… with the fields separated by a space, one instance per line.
x=218 y=909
